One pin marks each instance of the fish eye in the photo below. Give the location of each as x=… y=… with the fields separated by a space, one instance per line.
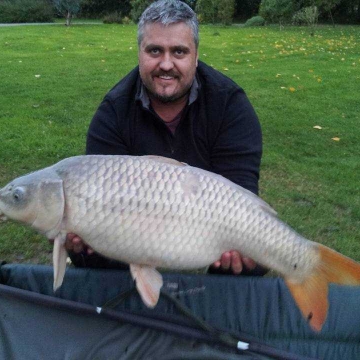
x=18 y=194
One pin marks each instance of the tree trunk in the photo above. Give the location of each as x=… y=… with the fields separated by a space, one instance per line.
x=332 y=19
x=68 y=18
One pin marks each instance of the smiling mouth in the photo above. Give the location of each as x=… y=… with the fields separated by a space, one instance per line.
x=166 y=77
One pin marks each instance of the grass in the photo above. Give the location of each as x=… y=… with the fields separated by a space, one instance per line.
x=53 y=79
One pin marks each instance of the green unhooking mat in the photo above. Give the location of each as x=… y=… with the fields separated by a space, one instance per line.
x=257 y=314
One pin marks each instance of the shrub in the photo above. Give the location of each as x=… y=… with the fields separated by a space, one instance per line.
x=100 y=8
x=137 y=8
x=276 y=11
x=207 y=10
x=21 y=11
x=255 y=21
x=126 y=20
x=113 y=18
x=307 y=16
x=226 y=11
x=215 y=11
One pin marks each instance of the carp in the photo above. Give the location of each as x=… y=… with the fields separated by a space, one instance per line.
x=152 y=212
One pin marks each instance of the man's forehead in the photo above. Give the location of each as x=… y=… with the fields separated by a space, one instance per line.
x=158 y=33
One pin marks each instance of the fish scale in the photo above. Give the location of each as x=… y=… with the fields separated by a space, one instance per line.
x=156 y=212
x=168 y=198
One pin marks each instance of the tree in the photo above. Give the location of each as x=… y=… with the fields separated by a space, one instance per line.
x=207 y=10
x=308 y=15
x=137 y=8
x=98 y=8
x=226 y=12
x=328 y=5
x=276 y=11
x=67 y=8
x=214 y=11
x=245 y=9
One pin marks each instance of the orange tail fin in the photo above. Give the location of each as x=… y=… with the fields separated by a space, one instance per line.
x=312 y=294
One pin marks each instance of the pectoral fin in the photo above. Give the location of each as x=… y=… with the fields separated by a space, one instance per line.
x=148 y=283
x=59 y=260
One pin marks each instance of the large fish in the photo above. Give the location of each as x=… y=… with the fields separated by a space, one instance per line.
x=154 y=212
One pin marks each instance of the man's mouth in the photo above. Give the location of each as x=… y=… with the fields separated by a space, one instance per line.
x=166 y=77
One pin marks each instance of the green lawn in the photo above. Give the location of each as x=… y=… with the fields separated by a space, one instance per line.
x=54 y=77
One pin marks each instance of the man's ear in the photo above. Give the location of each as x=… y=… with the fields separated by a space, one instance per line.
x=50 y=205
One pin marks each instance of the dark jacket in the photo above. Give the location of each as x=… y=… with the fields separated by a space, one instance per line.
x=219 y=132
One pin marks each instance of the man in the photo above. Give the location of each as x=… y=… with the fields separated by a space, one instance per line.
x=175 y=106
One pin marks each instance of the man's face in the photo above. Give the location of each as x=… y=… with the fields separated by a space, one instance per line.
x=167 y=60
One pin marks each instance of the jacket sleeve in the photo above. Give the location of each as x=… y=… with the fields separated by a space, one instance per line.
x=105 y=135
x=237 y=149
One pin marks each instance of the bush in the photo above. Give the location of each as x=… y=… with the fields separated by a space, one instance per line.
x=226 y=11
x=137 y=8
x=207 y=11
x=126 y=20
x=99 y=8
x=21 y=11
x=113 y=18
x=255 y=21
x=276 y=11
x=306 y=16
x=215 y=11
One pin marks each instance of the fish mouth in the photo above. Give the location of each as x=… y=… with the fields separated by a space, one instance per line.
x=2 y=217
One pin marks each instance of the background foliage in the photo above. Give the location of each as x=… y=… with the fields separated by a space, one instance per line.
x=209 y=11
x=20 y=11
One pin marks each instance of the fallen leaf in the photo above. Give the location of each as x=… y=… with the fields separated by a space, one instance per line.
x=335 y=139
x=225 y=69
x=292 y=89
x=37 y=76
x=317 y=127
x=278 y=75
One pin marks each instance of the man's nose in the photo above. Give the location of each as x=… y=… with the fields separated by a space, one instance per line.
x=166 y=63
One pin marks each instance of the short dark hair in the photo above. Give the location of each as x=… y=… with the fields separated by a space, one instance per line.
x=169 y=12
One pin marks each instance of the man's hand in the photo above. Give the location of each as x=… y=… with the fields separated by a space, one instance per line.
x=75 y=243
x=234 y=261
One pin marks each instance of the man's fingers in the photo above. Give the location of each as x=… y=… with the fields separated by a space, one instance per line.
x=225 y=260
x=74 y=243
x=249 y=263
x=236 y=263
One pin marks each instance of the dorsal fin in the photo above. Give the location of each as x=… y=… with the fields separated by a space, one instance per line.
x=165 y=160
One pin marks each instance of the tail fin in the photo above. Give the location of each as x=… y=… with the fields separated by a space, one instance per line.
x=312 y=294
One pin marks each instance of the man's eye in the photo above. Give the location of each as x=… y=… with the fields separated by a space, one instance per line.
x=155 y=51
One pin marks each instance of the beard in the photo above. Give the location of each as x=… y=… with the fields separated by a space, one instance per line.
x=166 y=99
